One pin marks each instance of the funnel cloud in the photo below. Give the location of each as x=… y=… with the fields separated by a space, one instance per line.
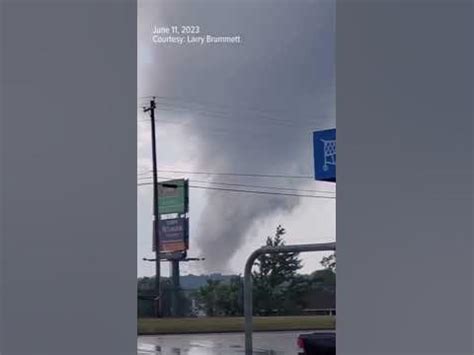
x=249 y=107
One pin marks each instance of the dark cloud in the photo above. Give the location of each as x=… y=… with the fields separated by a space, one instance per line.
x=253 y=106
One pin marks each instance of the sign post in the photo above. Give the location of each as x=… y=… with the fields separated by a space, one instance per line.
x=173 y=230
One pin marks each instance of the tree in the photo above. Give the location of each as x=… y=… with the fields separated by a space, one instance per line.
x=326 y=277
x=323 y=282
x=295 y=298
x=146 y=295
x=231 y=302
x=329 y=262
x=218 y=298
x=275 y=275
x=207 y=297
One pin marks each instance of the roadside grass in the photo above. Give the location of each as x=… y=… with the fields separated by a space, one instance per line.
x=151 y=326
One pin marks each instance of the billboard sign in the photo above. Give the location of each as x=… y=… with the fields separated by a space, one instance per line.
x=324 y=145
x=174 y=235
x=173 y=196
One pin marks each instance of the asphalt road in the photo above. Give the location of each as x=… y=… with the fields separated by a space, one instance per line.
x=265 y=343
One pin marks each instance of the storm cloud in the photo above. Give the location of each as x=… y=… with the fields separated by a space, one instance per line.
x=248 y=107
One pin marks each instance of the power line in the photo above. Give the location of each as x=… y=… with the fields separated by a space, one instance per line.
x=213 y=106
x=237 y=174
x=225 y=111
x=229 y=173
x=229 y=116
x=160 y=120
x=257 y=186
x=248 y=185
x=235 y=132
x=251 y=191
x=287 y=124
x=167 y=100
x=206 y=114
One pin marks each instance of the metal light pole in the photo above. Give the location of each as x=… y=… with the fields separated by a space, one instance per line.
x=248 y=312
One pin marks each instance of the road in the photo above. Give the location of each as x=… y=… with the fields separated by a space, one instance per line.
x=265 y=343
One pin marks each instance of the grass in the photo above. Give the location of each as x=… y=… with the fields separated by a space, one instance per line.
x=150 y=326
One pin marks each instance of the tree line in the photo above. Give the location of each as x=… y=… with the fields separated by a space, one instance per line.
x=278 y=288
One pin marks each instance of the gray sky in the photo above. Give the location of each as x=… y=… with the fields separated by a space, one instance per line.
x=244 y=108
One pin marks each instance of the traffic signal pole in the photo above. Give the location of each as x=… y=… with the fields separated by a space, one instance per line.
x=156 y=215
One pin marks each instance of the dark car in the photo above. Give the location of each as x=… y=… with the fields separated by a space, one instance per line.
x=319 y=343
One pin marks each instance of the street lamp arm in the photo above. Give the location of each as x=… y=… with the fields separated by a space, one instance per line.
x=248 y=306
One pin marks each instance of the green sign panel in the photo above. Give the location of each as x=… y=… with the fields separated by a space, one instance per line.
x=173 y=196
